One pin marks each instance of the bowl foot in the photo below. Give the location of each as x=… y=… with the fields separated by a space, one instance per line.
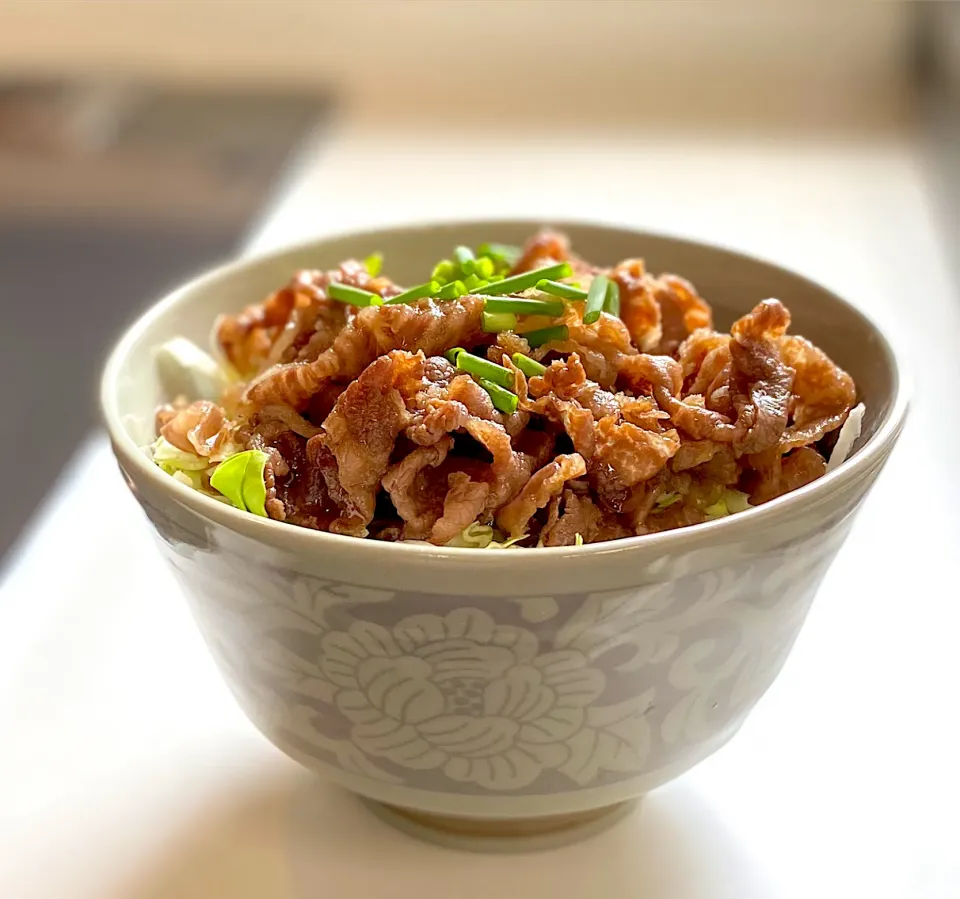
x=501 y=835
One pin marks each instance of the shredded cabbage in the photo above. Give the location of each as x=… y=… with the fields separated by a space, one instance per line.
x=240 y=479
x=237 y=480
x=736 y=500
x=171 y=459
x=667 y=500
x=482 y=536
x=577 y=540
x=183 y=368
x=192 y=479
x=848 y=436
x=716 y=510
x=731 y=502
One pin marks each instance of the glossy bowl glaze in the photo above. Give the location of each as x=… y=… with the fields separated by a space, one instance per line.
x=502 y=698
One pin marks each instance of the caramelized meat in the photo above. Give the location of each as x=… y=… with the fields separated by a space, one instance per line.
x=199 y=428
x=638 y=423
x=547 y=483
x=428 y=326
x=361 y=433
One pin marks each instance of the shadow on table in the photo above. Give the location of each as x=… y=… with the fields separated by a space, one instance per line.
x=298 y=838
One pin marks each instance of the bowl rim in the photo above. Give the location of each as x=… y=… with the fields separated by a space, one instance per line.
x=291 y=537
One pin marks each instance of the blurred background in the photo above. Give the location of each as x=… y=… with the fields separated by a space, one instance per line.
x=142 y=141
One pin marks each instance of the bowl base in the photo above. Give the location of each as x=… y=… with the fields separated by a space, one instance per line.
x=501 y=835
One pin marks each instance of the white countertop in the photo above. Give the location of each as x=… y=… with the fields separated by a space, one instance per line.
x=127 y=772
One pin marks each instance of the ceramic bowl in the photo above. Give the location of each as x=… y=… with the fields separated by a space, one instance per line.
x=502 y=697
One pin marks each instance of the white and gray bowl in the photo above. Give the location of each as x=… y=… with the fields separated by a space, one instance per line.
x=502 y=698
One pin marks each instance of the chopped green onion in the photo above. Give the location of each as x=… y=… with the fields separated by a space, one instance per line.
x=559 y=289
x=344 y=293
x=484 y=267
x=503 y=400
x=530 y=367
x=503 y=253
x=611 y=304
x=546 y=335
x=431 y=288
x=474 y=283
x=240 y=480
x=452 y=354
x=493 y=322
x=578 y=540
x=516 y=283
x=374 y=264
x=465 y=258
x=596 y=297
x=518 y=306
x=495 y=277
x=484 y=368
x=445 y=270
x=451 y=291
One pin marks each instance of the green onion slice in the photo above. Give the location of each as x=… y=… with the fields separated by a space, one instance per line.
x=465 y=258
x=516 y=283
x=611 y=304
x=474 y=283
x=504 y=253
x=530 y=367
x=411 y=294
x=493 y=322
x=445 y=270
x=546 y=335
x=345 y=293
x=484 y=268
x=503 y=400
x=240 y=480
x=519 y=306
x=559 y=289
x=452 y=290
x=596 y=297
x=374 y=264
x=452 y=354
x=484 y=368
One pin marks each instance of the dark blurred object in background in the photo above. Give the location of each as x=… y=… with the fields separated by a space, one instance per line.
x=110 y=193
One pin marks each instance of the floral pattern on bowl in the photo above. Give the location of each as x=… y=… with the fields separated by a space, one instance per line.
x=536 y=694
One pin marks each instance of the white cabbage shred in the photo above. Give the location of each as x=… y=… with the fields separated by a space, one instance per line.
x=482 y=536
x=185 y=370
x=848 y=436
